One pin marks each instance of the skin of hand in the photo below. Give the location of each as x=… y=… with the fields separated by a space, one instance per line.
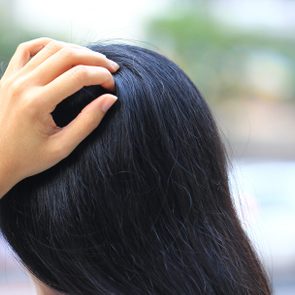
x=41 y=73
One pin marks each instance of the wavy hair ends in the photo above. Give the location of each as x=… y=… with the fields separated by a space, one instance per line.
x=142 y=206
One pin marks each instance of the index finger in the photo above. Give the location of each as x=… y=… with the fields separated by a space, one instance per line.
x=24 y=52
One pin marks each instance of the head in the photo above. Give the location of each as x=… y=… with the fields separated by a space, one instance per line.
x=142 y=206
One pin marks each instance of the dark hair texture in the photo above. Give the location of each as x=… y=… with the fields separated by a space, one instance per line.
x=142 y=206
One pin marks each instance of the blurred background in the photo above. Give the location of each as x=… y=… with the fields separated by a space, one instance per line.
x=241 y=55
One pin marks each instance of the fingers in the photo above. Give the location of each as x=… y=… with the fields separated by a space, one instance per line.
x=24 y=52
x=58 y=54
x=51 y=48
x=73 y=80
x=66 y=140
x=65 y=59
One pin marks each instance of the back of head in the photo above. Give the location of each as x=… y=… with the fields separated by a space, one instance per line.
x=142 y=206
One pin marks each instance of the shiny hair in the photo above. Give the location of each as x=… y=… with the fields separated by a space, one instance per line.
x=142 y=206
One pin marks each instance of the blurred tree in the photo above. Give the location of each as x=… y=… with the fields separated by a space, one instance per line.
x=216 y=56
x=13 y=33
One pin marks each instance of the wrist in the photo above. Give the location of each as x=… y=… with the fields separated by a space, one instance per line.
x=7 y=179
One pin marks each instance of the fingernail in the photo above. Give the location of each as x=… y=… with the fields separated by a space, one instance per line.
x=108 y=102
x=114 y=65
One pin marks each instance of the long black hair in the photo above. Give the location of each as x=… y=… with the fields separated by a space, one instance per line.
x=143 y=205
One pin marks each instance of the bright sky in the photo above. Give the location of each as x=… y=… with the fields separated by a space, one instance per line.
x=274 y=16
x=89 y=20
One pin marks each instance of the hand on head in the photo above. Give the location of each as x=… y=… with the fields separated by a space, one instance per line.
x=41 y=74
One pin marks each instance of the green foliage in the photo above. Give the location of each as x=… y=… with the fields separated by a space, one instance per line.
x=12 y=34
x=215 y=56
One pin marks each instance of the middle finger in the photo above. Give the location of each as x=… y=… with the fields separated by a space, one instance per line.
x=65 y=59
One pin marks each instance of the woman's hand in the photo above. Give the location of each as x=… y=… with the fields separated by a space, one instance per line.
x=42 y=73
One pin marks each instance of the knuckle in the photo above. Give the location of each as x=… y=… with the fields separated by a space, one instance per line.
x=104 y=72
x=53 y=45
x=29 y=107
x=68 y=52
x=30 y=102
x=15 y=88
x=27 y=99
x=81 y=73
x=45 y=40
x=22 y=46
x=107 y=77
